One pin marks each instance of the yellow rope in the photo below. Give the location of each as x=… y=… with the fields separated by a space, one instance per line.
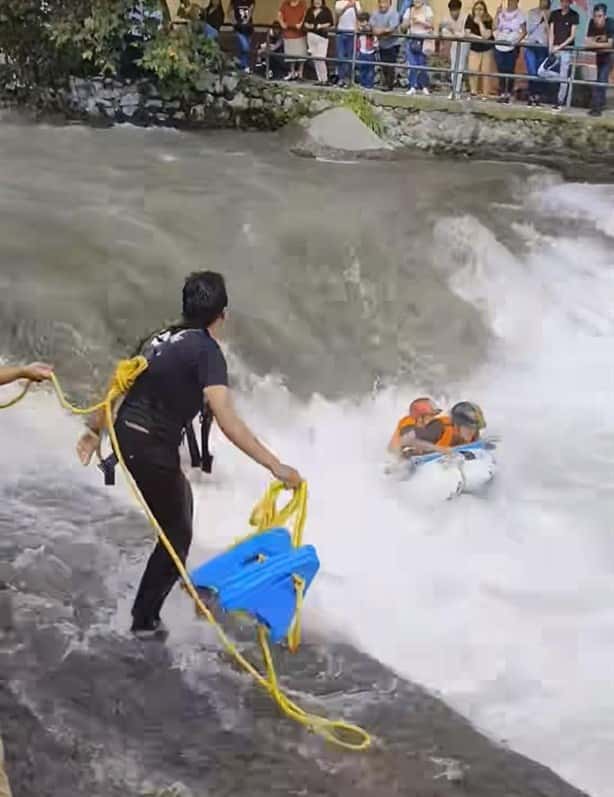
x=265 y=515
x=17 y=398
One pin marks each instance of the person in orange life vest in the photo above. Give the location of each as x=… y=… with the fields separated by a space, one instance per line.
x=421 y=412
x=461 y=426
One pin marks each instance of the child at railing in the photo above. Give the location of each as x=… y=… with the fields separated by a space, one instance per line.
x=366 y=49
x=277 y=64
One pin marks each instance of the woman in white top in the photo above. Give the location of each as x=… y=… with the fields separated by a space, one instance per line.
x=510 y=30
x=418 y=19
x=346 y=12
x=454 y=25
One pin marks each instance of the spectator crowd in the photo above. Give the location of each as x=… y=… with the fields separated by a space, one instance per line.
x=403 y=47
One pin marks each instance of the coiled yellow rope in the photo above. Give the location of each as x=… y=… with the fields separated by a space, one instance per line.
x=265 y=515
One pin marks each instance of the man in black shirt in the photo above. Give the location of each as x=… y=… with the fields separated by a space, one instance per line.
x=243 y=16
x=600 y=37
x=186 y=369
x=562 y=28
x=213 y=18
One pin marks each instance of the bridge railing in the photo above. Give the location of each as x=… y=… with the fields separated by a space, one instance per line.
x=457 y=69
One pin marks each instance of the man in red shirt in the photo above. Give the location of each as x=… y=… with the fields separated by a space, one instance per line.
x=291 y=18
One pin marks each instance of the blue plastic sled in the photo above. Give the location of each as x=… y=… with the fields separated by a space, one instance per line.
x=479 y=445
x=256 y=576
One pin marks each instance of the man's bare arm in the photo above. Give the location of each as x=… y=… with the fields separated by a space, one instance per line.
x=219 y=399
x=36 y=372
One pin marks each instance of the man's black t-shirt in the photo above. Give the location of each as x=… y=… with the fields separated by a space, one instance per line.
x=472 y=26
x=562 y=24
x=243 y=11
x=602 y=34
x=169 y=394
x=323 y=18
x=214 y=16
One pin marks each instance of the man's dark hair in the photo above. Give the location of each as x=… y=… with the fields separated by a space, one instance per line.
x=455 y=5
x=600 y=7
x=204 y=298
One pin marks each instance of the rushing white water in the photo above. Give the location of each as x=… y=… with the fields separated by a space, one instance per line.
x=503 y=604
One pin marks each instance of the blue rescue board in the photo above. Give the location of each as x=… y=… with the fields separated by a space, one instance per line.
x=257 y=576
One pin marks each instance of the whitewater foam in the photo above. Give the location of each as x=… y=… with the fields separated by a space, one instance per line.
x=504 y=605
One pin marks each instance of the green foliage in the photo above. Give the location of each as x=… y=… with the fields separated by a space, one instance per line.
x=178 y=58
x=97 y=32
x=24 y=40
x=46 y=41
x=358 y=102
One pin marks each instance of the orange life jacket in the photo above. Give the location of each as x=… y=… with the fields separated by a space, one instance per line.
x=405 y=423
x=449 y=437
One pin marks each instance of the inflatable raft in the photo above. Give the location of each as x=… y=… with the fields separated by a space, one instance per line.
x=469 y=468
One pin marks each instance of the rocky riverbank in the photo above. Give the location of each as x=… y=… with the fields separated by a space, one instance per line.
x=568 y=141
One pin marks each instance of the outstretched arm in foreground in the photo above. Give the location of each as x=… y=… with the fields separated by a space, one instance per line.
x=36 y=372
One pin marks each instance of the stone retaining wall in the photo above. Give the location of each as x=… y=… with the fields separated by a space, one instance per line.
x=511 y=134
x=227 y=101
x=409 y=124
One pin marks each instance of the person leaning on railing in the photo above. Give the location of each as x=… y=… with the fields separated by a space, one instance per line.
x=384 y=24
x=534 y=56
x=454 y=25
x=479 y=26
x=510 y=30
x=318 y=22
x=272 y=49
x=291 y=18
x=366 y=51
x=600 y=36
x=562 y=28
x=346 y=12
x=418 y=19
x=212 y=19
x=242 y=15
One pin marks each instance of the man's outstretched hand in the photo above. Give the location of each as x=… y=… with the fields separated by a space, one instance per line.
x=36 y=372
x=87 y=446
x=290 y=477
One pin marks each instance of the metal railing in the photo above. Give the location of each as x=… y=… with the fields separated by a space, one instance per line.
x=457 y=70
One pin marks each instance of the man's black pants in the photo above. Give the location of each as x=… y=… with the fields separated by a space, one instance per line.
x=389 y=55
x=160 y=479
